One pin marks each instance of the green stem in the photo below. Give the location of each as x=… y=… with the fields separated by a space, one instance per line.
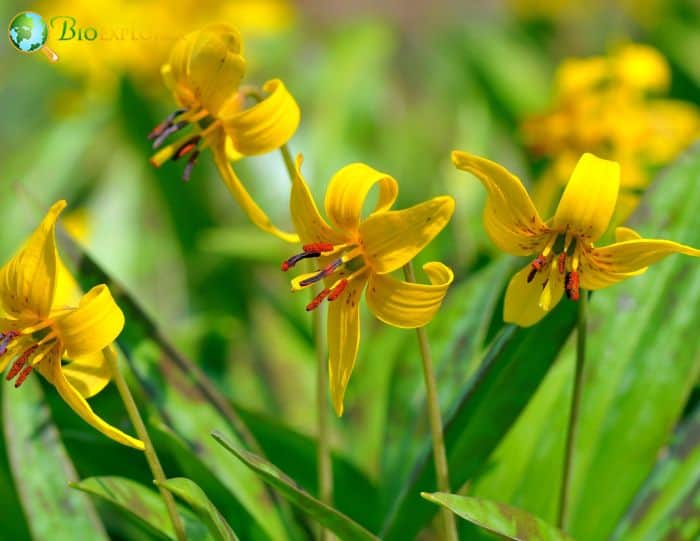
x=150 y=452
x=575 y=407
x=439 y=454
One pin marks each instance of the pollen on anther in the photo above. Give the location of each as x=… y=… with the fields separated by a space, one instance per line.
x=338 y=290
x=562 y=262
x=318 y=247
x=572 y=286
x=23 y=376
x=317 y=300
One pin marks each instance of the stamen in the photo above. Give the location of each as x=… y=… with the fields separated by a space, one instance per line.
x=186 y=147
x=323 y=273
x=286 y=265
x=338 y=290
x=5 y=339
x=537 y=265
x=572 y=285
x=155 y=132
x=23 y=376
x=318 y=247
x=318 y=299
x=562 y=262
x=20 y=362
x=167 y=132
x=531 y=276
x=189 y=166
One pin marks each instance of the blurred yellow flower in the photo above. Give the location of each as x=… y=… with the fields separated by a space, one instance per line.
x=204 y=74
x=606 y=105
x=44 y=320
x=360 y=252
x=566 y=258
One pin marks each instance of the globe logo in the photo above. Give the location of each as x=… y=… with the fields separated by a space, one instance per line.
x=28 y=33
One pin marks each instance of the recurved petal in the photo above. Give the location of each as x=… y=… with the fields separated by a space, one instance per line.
x=589 y=199
x=308 y=223
x=88 y=374
x=266 y=126
x=391 y=239
x=348 y=190
x=343 y=339
x=242 y=197
x=93 y=325
x=527 y=303
x=510 y=217
x=28 y=280
x=408 y=305
x=79 y=405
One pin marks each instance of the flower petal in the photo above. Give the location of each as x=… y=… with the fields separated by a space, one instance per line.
x=52 y=367
x=348 y=190
x=88 y=374
x=343 y=339
x=391 y=239
x=408 y=305
x=307 y=221
x=527 y=303
x=28 y=280
x=616 y=262
x=589 y=199
x=266 y=126
x=510 y=217
x=241 y=195
x=95 y=324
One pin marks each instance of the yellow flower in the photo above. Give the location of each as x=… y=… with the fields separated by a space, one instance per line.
x=566 y=257
x=358 y=252
x=44 y=323
x=204 y=74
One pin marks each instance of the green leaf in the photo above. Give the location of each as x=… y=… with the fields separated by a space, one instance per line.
x=499 y=518
x=491 y=402
x=190 y=492
x=668 y=507
x=338 y=523
x=42 y=470
x=142 y=505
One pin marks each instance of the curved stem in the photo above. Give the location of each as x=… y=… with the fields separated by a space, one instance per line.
x=433 y=404
x=150 y=452
x=575 y=407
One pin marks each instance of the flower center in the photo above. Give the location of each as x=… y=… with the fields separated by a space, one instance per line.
x=344 y=268
x=561 y=254
x=27 y=349
x=193 y=143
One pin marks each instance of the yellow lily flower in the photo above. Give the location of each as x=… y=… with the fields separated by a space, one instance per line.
x=204 y=74
x=357 y=252
x=567 y=259
x=44 y=322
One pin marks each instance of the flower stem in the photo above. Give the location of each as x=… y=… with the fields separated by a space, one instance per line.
x=150 y=452
x=575 y=407
x=325 y=466
x=439 y=454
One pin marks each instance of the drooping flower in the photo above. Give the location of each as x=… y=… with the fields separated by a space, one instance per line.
x=204 y=73
x=355 y=253
x=566 y=259
x=45 y=325
x=612 y=106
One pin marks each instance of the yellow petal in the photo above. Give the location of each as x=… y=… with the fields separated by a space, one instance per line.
x=510 y=217
x=589 y=199
x=348 y=190
x=215 y=66
x=392 y=238
x=307 y=221
x=626 y=233
x=242 y=197
x=642 y=67
x=408 y=305
x=92 y=326
x=343 y=339
x=68 y=292
x=266 y=126
x=88 y=374
x=28 y=280
x=527 y=303
x=616 y=262
x=80 y=406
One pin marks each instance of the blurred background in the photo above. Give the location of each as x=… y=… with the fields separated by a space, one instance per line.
x=394 y=84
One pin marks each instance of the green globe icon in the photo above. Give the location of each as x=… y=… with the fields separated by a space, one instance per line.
x=28 y=31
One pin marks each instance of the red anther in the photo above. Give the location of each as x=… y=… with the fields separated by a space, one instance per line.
x=338 y=290
x=23 y=376
x=160 y=128
x=318 y=247
x=562 y=262
x=188 y=147
x=285 y=266
x=572 y=285
x=539 y=262
x=20 y=362
x=317 y=300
